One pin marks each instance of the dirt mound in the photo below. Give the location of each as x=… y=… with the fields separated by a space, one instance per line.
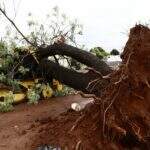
x=127 y=106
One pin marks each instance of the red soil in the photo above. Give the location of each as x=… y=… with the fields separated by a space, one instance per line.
x=18 y=129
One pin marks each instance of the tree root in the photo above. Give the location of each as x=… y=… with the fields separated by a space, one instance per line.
x=78 y=145
x=77 y=123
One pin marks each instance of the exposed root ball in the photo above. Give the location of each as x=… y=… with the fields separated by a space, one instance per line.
x=128 y=95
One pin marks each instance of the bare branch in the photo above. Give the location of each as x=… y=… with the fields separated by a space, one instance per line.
x=16 y=9
x=25 y=38
x=80 y=55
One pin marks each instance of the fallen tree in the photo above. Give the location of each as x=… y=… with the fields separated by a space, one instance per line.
x=38 y=62
x=80 y=55
x=75 y=79
x=120 y=117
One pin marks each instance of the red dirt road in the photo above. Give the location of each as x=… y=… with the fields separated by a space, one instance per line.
x=17 y=127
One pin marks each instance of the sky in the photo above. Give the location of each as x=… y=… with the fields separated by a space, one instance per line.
x=106 y=23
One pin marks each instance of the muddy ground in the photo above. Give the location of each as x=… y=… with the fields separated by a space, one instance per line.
x=19 y=129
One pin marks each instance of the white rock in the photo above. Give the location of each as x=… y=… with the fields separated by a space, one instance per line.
x=76 y=106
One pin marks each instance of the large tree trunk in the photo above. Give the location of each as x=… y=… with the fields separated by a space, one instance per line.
x=77 y=80
x=61 y=73
x=80 y=55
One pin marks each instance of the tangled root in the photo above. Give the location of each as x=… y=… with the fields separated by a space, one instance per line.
x=124 y=106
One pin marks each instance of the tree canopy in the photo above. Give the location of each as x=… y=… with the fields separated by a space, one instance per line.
x=114 y=52
x=99 y=52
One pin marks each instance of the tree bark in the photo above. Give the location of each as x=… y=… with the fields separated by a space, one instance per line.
x=80 y=55
x=74 y=79
x=77 y=80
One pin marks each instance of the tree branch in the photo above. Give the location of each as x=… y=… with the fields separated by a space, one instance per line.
x=11 y=21
x=80 y=55
x=76 y=80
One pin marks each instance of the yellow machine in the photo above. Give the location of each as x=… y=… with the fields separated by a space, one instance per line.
x=47 y=91
x=17 y=97
x=57 y=85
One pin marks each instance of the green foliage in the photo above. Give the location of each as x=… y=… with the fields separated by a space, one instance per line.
x=99 y=52
x=2 y=77
x=9 y=60
x=65 y=91
x=6 y=105
x=6 y=57
x=114 y=52
x=23 y=70
x=12 y=47
x=10 y=82
x=13 y=83
x=33 y=96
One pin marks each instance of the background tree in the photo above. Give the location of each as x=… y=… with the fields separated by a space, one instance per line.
x=99 y=52
x=114 y=52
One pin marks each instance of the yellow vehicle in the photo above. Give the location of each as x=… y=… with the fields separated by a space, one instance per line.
x=29 y=83
x=47 y=91
x=17 y=97
x=57 y=85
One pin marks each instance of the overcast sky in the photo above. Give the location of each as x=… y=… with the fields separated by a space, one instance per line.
x=106 y=22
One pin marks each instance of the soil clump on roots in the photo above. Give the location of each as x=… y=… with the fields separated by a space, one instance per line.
x=120 y=117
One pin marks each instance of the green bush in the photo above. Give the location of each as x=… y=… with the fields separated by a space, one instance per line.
x=32 y=96
x=11 y=55
x=6 y=105
x=114 y=52
x=99 y=52
x=65 y=91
